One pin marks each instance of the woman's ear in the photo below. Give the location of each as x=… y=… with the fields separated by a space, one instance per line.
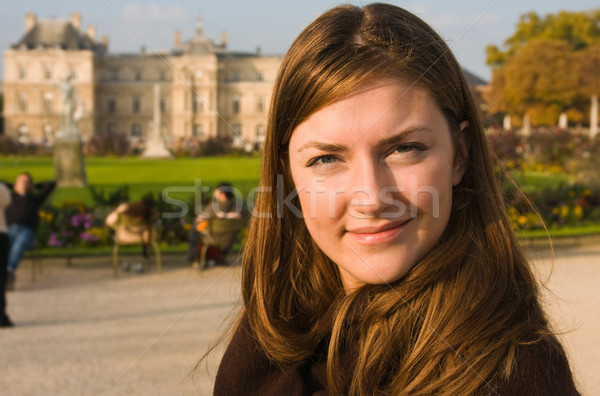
x=461 y=156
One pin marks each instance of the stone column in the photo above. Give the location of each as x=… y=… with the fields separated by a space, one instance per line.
x=594 y=117
x=526 y=128
x=155 y=146
x=563 y=122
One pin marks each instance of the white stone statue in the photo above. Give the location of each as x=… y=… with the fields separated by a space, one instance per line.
x=71 y=110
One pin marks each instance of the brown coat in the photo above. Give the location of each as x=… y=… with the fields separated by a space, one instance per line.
x=541 y=369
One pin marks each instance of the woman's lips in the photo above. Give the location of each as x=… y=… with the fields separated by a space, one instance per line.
x=377 y=235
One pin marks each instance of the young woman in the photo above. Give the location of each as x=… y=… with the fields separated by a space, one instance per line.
x=383 y=261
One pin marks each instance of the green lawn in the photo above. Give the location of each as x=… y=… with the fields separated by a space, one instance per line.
x=142 y=175
x=537 y=181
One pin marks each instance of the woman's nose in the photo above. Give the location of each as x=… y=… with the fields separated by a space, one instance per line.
x=370 y=190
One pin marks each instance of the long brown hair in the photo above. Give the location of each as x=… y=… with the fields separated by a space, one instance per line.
x=452 y=324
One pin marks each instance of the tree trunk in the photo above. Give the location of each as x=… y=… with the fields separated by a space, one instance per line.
x=594 y=117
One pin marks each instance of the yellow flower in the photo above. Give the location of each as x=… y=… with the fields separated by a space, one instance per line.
x=187 y=226
x=578 y=211
x=522 y=220
x=564 y=211
x=587 y=192
x=555 y=211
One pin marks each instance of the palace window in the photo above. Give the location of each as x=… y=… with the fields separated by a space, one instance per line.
x=260 y=104
x=197 y=104
x=260 y=132
x=111 y=105
x=23 y=102
x=138 y=75
x=163 y=104
x=22 y=72
x=198 y=131
x=136 y=104
x=111 y=127
x=236 y=104
x=23 y=133
x=48 y=101
x=236 y=130
x=48 y=72
x=48 y=132
x=136 y=131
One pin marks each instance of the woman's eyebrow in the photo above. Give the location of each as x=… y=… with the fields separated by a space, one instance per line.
x=403 y=135
x=329 y=147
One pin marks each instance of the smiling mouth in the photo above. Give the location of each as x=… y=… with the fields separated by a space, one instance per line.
x=377 y=235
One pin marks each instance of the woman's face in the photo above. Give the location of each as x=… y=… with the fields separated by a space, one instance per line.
x=374 y=174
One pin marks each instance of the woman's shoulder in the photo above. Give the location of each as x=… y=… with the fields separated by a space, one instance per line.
x=541 y=368
x=246 y=370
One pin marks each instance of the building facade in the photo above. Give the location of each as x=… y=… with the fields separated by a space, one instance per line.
x=205 y=89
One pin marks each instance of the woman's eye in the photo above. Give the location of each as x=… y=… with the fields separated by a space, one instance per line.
x=407 y=148
x=322 y=160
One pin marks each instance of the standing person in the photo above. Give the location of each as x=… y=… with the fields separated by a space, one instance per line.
x=383 y=262
x=22 y=216
x=4 y=248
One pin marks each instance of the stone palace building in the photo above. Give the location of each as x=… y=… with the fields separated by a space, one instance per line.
x=205 y=89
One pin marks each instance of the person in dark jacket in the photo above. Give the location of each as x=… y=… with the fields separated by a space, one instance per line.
x=22 y=217
x=380 y=259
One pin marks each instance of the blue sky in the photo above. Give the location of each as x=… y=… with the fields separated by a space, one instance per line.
x=468 y=25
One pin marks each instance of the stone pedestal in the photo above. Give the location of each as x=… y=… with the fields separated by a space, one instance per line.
x=69 y=167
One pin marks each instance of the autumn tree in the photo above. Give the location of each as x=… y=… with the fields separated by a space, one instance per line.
x=536 y=70
x=588 y=62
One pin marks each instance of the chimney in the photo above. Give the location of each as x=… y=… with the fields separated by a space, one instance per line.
x=91 y=32
x=30 y=21
x=224 y=39
x=76 y=20
x=105 y=42
x=177 y=39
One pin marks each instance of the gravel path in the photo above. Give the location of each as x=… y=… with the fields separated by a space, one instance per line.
x=79 y=331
